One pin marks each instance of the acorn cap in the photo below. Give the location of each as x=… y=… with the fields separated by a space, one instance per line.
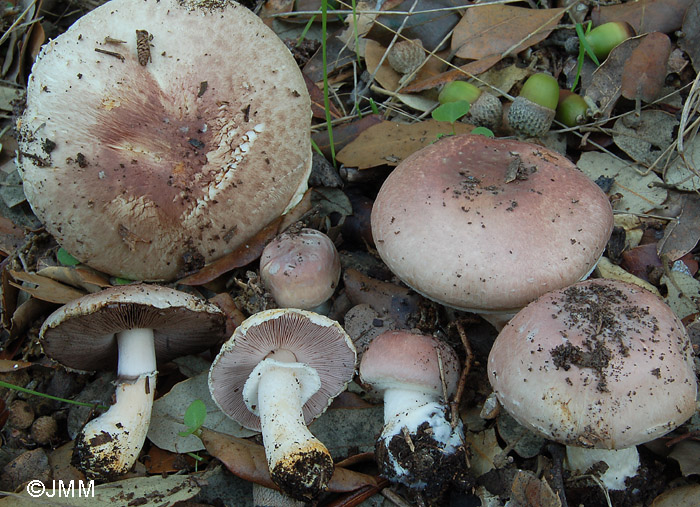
x=486 y=111
x=406 y=55
x=529 y=119
x=143 y=168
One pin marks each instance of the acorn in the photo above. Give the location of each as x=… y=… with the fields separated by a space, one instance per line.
x=405 y=56
x=571 y=110
x=486 y=109
x=603 y=38
x=532 y=112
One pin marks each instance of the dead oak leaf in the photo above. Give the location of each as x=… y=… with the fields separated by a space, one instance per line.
x=497 y=29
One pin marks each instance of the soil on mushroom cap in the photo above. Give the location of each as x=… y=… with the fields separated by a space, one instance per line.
x=605 y=316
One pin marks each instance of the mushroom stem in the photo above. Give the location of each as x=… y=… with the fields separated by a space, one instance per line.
x=277 y=390
x=137 y=354
x=109 y=445
x=399 y=402
x=406 y=414
x=622 y=463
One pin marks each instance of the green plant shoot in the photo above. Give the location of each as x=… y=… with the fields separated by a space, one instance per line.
x=14 y=387
x=65 y=258
x=195 y=415
x=451 y=112
x=483 y=131
x=584 y=48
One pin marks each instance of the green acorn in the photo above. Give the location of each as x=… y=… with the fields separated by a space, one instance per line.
x=532 y=112
x=485 y=111
x=603 y=38
x=571 y=110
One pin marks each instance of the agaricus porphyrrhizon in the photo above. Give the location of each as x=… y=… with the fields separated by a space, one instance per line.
x=418 y=446
x=277 y=373
x=600 y=366
x=488 y=225
x=148 y=167
x=301 y=269
x=128 y=327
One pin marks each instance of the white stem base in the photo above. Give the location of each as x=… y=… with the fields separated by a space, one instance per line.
x=299 y=464
x=622 y=463
x=400 y=402
x=109 y=445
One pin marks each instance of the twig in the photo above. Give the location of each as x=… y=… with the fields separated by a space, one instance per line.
x=468 y=360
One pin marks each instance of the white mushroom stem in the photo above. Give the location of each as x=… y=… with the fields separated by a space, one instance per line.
x=622 y=463
x=276 y=391
x=110 y=444
x=405 y=411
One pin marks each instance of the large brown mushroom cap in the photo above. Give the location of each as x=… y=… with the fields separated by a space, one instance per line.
x=82 y=334
x=143 y=171
x=315 y=341
x=599 y=364
x=489 y=224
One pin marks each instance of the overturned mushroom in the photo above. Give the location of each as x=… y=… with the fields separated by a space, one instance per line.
x=162 y=134
x=278 y=372
x=130 y=327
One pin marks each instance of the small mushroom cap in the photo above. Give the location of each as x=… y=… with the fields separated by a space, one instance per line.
x=82 y=334
x=315 y=340
x=405 y=360
x=149 y=171
x=301 y=269
x=448 y=225
x=599 y=364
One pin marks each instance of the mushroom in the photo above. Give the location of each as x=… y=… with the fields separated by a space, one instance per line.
x=488 y=225
x=162 y=134
x=600 y=366
x=418 y=446
x=129 y=327
x=278 y=372
x=301 y=269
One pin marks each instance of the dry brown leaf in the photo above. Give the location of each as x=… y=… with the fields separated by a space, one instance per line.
x=496 y=29
x=470 y=69
x=606 y=83
x=687 y=454
x=241 y=256
x=690 y=42
x=318 y=109
x=246 y=460
x=681 y=236
x=46 y=289
x=390 y=142
x=529 y=490
x=26 y=314
x=645 y=15
x=344 y=134
x=684 y=496
x=8 y=365
x=644 y=74
x=79 y=277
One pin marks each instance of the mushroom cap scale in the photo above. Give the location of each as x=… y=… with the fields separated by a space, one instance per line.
x=600 y=364
x=82 y=334
x=315 y=341
x=144 y=171
x=489 y=224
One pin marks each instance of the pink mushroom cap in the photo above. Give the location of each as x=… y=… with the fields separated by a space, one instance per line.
x=489 y=224
x=600 y=364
